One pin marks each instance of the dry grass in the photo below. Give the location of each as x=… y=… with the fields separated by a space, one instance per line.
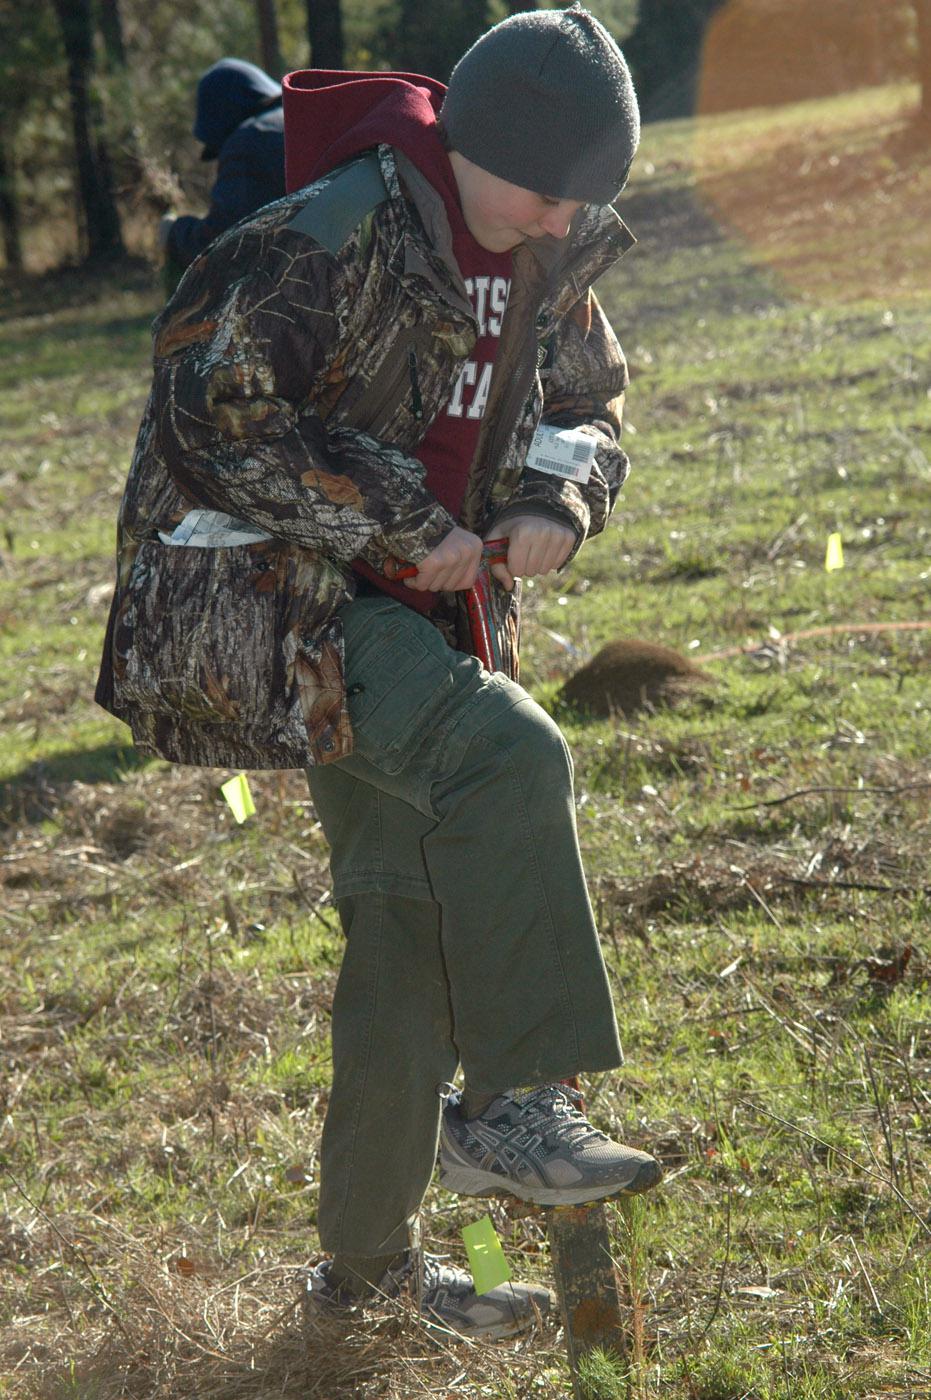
x=180 y=1330
x=158 y=834
x=759 y=862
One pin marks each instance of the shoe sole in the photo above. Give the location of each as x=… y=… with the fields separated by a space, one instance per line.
x=473 y=1181
x=499 y=1332
x=318 y=1305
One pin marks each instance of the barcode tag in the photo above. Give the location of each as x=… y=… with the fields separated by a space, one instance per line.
x=562 y=452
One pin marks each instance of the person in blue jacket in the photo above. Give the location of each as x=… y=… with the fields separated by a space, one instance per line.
x=240 y=124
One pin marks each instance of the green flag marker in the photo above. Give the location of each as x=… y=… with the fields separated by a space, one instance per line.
x=236 y=791
x=486 y=1257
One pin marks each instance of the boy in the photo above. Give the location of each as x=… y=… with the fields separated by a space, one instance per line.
x=240 y=125
x=372 y=378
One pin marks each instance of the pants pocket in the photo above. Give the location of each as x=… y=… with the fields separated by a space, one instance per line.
x=394 y=683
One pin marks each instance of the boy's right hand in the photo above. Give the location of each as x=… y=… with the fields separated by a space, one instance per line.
x=451 y=566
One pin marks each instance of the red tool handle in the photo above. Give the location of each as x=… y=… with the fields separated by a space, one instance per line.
x=493 y=552
x=485 y=643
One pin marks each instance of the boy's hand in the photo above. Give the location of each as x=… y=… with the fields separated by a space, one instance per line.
x=536 y=546
x=451 y=566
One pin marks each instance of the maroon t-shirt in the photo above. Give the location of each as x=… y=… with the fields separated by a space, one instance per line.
x=449 y=445
x=331 y=116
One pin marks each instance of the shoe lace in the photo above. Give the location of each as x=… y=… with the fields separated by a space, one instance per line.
x=423 y=1273
x=559 y=1101
x=436 y=1274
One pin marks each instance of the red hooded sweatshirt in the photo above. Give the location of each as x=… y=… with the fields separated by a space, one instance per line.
x=330 y=117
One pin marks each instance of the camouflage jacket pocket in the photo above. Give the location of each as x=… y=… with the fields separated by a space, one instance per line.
x=200 y=638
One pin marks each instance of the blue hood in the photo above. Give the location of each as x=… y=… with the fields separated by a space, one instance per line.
x=228 y=94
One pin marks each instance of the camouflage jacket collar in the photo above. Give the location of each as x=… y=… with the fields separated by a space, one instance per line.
x=564 y=268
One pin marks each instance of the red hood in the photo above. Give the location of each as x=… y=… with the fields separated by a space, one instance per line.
x=331 y=115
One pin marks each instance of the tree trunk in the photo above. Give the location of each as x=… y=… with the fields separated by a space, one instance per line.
x=325 y=30
x=923 y=21
x=130 y=174
x=664 y=53
x=432 y=42
x=95 y=185
x=268 y=37
x=110 y=22
x=9 y=208
x=475 y=20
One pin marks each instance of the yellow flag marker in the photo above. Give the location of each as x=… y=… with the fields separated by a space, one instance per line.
x=236 y=791
x=486 y=1257
x=834 y=554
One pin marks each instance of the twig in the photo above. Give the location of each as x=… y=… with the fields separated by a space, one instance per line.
x=811 y=1046
x=869 y=1281
x=278 y=1318
x=749 y=885
x=312 y=904
x=179 y=1331
x=832 y=629
x=806 y=791
x=857 y=885
x=812 y=1137
x=727 y=1255
x=883 y=1113
x=98 y=1288
x=908 y=1152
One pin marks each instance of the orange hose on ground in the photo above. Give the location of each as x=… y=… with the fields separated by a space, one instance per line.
x=826 y=631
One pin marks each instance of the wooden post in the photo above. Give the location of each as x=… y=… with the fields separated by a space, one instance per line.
x=587 y=1283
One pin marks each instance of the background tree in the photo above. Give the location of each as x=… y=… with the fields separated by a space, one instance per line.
x=325 y=31
x=664 y=52
x=619 y=17
x=431 y=41
x=30 y=83
x=102 y=233
x=9 y=205
x=109 y=116
x=114 y=82
x=268 y=37
x=110 y=24
x=923 y=33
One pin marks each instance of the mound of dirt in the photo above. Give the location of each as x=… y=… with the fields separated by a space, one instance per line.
x=627 y=675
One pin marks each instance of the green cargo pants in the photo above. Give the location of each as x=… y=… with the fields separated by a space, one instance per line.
x=469 y=932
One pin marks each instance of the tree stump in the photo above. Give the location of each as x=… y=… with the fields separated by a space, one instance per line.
x=589 y=1289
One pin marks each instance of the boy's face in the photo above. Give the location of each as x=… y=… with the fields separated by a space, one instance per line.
x=500 y=215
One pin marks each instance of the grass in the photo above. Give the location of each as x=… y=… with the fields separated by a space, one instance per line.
x=757 y=852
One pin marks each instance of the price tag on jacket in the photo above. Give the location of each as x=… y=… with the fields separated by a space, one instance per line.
x=562 y=452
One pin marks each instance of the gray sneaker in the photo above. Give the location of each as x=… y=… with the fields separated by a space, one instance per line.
x=537 y=1145
x=447 y=1298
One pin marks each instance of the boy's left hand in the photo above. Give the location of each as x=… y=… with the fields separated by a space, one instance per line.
x=535 y=546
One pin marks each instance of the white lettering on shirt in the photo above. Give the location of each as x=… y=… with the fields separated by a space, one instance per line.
x=477 y=407
x=489 y=298
x=477 y=287
x=467 y=376
x=500 y=290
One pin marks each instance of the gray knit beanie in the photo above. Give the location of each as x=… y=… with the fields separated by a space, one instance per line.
x=545 y=100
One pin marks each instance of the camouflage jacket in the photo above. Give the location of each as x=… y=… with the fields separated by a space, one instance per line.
x=296 y=369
